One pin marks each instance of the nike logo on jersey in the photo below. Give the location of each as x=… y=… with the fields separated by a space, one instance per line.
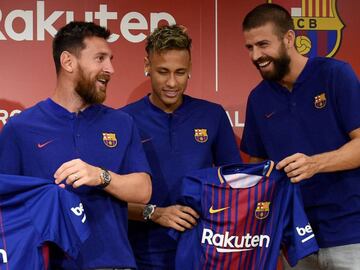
x=41 y=145
x=146 y=140
x=214 y=211
x=269 y=115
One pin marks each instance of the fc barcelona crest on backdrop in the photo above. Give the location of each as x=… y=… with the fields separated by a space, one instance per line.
x=317 y=25
x=201 y=135
x=110 y=139
x=262 y=210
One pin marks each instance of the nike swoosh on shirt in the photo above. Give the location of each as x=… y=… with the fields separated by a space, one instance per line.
x=41 y=145
x=214 y=211
x=269 y=115
x=146 y=140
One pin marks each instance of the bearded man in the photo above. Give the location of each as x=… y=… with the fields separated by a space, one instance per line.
x=83 y=146
x=304 y=115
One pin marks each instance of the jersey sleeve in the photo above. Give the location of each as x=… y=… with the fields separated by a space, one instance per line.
x=298 y=238
x=251 y=142
x=59 y=217
x=225 y=149
x=347 y=89
x=190 y=195
x=10 y=154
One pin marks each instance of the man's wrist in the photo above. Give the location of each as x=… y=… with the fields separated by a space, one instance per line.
x=148 y=211
x=105 y=178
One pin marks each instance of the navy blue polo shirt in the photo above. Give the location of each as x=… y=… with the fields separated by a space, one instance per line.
x=196 y=135
x=41 y=138
x=315 y=117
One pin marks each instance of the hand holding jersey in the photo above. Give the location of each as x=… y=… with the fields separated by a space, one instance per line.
x=299 y=166
x=177 y=216
x=78 y=173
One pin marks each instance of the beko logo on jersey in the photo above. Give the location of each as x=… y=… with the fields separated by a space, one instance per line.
x=79 y=210
x=36 y=18
x=226 y=243
x=302 y=231
x=3 y=255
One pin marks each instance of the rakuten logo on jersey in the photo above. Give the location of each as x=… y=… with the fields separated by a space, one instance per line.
x=3 y=255
x=79 y=210
x=305 y=231
x=226 y=243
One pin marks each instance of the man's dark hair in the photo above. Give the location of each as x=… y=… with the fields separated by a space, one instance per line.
x=168 y=37
x=71 y=38
x=266 y=13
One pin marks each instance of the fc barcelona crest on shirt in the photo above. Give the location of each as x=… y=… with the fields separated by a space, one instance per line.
x=317 y=25
x=110 y=139
x=262 y=210
x=201 y=135
x=320 y=101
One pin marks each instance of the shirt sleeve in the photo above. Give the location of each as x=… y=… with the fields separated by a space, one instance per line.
x=347 y=91
x=225 y=149
x=251 y=142
x=59 y=217
x=10 y=154
x=190 y=195
x=298 y=239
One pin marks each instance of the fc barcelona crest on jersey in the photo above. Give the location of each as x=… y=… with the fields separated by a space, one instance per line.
x=262 y=210
x=201 y=135
x=110 y=139
x=320 y=101
x=317 y=25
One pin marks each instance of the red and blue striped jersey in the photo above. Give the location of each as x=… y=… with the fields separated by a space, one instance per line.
x=248 y=212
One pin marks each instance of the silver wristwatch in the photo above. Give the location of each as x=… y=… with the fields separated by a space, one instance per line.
x=148 y=211
x=105 y=178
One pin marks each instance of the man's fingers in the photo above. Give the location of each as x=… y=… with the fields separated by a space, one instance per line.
x=189 y=211
x=288 y=160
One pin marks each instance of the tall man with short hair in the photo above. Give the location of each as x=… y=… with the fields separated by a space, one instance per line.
x=179 y=134
x=90 y=149
x=304 y=115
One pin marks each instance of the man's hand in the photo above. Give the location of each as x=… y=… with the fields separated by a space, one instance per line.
x=77 y=173
x=298 y=167
x=177 y=217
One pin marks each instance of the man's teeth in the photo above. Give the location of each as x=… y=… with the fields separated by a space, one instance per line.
x=263 y=64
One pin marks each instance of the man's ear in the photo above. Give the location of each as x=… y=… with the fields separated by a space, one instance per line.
x=67 y=61
x=146 y=66
x=289 y=39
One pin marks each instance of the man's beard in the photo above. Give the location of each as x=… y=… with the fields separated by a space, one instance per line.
x=86 y=89
x=281 y=66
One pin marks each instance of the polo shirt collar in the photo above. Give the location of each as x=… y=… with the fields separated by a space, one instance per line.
x=56 y=109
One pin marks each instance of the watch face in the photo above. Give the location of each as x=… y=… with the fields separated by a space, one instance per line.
x=148 y=210
x=106 y=176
